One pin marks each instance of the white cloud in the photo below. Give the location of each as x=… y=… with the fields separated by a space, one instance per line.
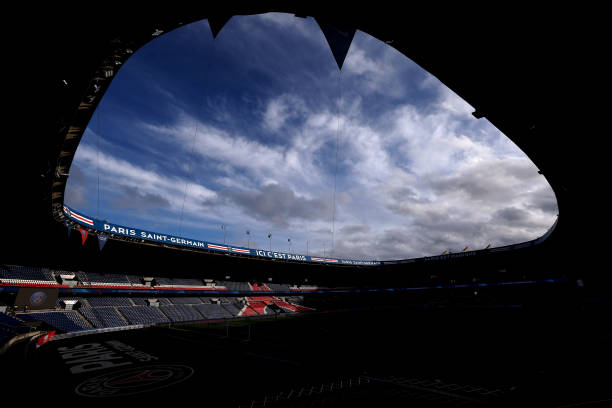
x=116 y=172
x=287 y=163
x=426 y=172
x=280 y=109
x=412 y=180
x=359 y=63
x=288 y=22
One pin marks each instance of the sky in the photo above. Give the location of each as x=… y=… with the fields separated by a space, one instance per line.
x=258 y=130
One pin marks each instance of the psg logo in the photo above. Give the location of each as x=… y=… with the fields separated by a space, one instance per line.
x=38 y=298
x=134 y=381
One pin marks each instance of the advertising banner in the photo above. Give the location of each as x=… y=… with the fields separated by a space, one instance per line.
x=36 y=298
x=110 y=229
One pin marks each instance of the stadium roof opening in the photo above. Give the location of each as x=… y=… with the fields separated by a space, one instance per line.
x=272 y=136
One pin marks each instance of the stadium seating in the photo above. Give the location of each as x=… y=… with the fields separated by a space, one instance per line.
x=212 y=311
x=82 y=277
x=110 y=301
x=62 y=272
x=103 y=316
x=143 y=314
x=186 y=301
x=27 y=272
x=68 y=321
x=181 y=313
x=239 y=286
x=105 y=312
x=117 y=311
x=187 y=282
x=257 y=309
x=136 y=281
x=109 y=279
x=291 y=307
x=277 y=286
x=274 y=308
x=163 y=281
x=144 y=301
x=233 y=308
x=26 y=275
x=178 y=282
x=10 y=327
x=6 y=320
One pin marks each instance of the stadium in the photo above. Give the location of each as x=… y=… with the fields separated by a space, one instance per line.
x=94 y=308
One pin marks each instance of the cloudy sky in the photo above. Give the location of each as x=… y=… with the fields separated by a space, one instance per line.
x=254 y=129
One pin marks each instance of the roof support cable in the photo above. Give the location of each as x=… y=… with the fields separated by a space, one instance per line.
x=333 y=220
x=98 y=161
x=197 y=122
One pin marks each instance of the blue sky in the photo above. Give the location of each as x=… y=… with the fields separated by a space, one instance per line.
x=241 y=131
